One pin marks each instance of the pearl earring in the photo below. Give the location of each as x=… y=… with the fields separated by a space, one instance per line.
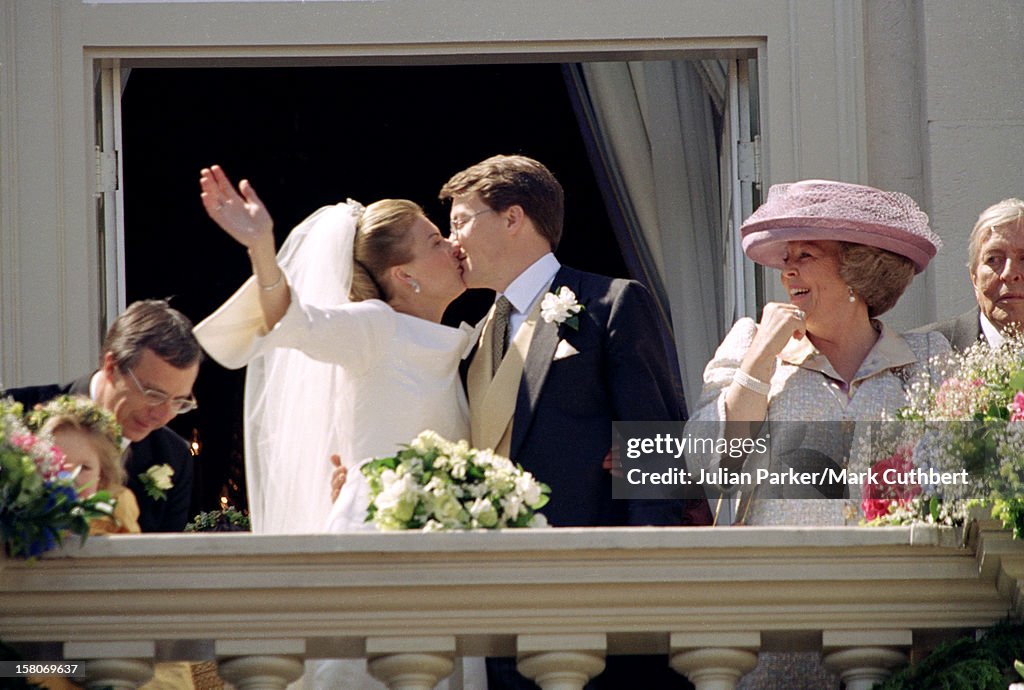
x=415 y=285
x=853 y=297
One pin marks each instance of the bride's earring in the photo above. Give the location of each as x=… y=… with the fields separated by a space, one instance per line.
x=852 y=298
x=415 y=285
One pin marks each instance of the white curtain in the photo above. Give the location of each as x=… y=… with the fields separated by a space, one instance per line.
x=654 y=124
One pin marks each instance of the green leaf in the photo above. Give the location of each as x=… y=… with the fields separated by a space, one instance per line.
x=1016 y=381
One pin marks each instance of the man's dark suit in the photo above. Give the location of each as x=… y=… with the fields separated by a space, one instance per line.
x=159 y=447
x=565 y=407
x=961 y=331
x=562 y=430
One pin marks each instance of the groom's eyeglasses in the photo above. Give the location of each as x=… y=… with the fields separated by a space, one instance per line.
x=155 y=398
x=458 y=223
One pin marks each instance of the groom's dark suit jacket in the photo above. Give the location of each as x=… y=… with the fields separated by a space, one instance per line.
x=562 y=430
x=562 y=427
x=159 y=447
x=961 y=331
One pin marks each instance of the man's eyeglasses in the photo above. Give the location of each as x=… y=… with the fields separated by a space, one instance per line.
x=458 y=223
x=155 y=398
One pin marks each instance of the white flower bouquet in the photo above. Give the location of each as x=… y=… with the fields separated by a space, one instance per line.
x=434 y=484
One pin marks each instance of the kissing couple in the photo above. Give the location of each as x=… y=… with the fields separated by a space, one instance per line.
x=346 y=354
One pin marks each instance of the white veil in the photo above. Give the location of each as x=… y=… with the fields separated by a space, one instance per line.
x=296 y=408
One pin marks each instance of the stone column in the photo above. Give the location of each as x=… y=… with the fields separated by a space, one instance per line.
x=863 y=658
x=714 y=661
x=260 y=664
x=561 y=662
x=117 y=665
x=410 y=663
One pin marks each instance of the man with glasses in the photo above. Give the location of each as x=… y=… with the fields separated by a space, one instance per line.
x=545 y=393
x=149 y=364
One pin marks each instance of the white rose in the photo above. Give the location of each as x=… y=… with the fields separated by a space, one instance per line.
x=398 y=497
x=447 y=509
x=484 y=458
x=560 y=307
x=512 y=505
x=435 y=486
x=484 y=513
x=161 y=476
x=427 y=441
x=528 y=489
x=459 y=465
x=538 y=520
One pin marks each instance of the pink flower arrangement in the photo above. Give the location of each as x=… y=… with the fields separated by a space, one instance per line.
x=879 y=496
x=1016 y=407
x=957 y=398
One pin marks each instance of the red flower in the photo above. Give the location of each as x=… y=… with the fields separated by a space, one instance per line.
x=879 y=494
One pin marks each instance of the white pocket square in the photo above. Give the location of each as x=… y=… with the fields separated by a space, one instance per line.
x=564 y=350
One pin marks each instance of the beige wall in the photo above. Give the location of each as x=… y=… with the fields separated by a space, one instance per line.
x=945 y=98
x=922 y=97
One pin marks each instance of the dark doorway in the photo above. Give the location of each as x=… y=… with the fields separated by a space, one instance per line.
x=307 y=137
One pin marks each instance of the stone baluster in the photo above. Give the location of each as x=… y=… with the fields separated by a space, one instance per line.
x=863 y=658
x=561 y=662
x=260 y=664
x=410 y=663
x=117 y=665
x=714 y=661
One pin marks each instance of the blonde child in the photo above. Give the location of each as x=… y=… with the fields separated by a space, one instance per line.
x=91 y=439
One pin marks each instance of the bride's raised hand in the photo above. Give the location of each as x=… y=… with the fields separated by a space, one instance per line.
x=240 y=213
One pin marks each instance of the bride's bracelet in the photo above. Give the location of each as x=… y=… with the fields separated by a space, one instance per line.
x=272 y=286
x=750 y=383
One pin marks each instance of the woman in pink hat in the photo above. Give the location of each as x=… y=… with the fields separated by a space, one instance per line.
x=846 y=253
x=815 y=364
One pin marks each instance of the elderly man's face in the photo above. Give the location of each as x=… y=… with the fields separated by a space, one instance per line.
x=998 y=277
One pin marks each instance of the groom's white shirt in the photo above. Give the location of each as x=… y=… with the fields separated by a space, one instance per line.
x=524 y=291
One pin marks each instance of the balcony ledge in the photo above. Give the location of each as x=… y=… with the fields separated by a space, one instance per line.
x=331 y=593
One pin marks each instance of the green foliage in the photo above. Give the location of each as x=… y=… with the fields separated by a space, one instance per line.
x=1011 y=512
x=965 y=663
x=227 y=520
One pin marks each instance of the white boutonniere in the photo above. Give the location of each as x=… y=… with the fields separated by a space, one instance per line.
x=561 y=307
x=157 y=481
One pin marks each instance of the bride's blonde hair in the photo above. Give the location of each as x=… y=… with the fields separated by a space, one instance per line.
x=382 y=241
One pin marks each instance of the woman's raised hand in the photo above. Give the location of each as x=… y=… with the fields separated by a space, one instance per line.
x=779 y=322
x=242 y=215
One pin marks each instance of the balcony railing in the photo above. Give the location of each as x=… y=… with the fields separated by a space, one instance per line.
x=559 y=600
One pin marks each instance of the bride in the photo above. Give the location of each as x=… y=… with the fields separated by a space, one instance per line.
x=344 y=345
x=345 y=350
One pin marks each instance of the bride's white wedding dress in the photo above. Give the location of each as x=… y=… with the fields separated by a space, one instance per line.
x=354 y=378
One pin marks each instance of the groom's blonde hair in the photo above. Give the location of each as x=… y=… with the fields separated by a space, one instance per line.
x=382 y=241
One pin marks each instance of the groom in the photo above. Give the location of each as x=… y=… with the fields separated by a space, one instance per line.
x=546 y=394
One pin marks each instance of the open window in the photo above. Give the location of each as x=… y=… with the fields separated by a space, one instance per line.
x=312 y=134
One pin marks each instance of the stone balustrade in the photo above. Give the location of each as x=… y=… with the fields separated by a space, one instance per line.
x=559 y=600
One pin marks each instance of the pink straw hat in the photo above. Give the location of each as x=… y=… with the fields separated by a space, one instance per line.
x=827 y=210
